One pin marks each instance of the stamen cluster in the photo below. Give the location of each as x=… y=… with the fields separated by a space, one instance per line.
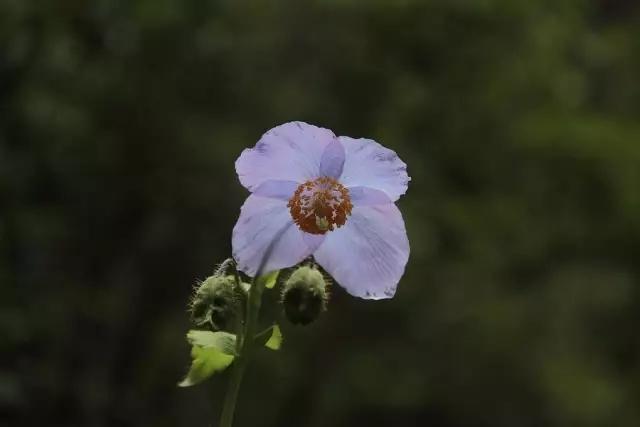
x=320 y=205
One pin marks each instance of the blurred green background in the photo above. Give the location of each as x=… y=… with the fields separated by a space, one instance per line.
x=119 y=125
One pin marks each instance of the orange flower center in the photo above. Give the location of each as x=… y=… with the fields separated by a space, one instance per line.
x=320 y=205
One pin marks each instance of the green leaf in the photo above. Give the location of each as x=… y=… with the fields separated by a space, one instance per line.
x=206 y=362
x=245 y=287
x=211 y=352
x=222 y=341
x=275 y=341
x=270 y=279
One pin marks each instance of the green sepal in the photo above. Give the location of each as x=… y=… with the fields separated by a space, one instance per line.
x=275 y=340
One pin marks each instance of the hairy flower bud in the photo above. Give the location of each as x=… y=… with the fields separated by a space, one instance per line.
x=216 y=302
x=304 y=295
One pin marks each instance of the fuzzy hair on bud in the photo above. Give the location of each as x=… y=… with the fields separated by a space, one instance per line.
x=216 y=302
x=304 y=295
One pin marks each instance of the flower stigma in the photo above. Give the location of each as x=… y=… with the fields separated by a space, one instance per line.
x=320 y=205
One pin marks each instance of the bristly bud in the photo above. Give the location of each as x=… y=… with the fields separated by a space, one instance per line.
x=304 y=295
x=216 y=303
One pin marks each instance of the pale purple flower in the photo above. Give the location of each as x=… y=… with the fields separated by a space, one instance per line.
x=326 y=196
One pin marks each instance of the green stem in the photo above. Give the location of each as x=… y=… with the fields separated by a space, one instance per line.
x=245 y=348
x=226 y=420
x=253 y=310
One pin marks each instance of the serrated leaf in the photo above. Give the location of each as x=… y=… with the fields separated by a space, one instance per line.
x=270 y=279
x=206 y=362
x=275 y=341
x=223 y=341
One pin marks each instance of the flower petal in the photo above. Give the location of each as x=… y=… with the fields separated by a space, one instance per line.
x=332 y=161
x=282 y=190
x=365 y=196
x=369 y=164
x=367 y=256
x=289 y=152
x=313 y=241
x=262 y=222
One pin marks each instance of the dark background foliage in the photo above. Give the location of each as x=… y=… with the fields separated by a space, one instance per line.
x=119 y=125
